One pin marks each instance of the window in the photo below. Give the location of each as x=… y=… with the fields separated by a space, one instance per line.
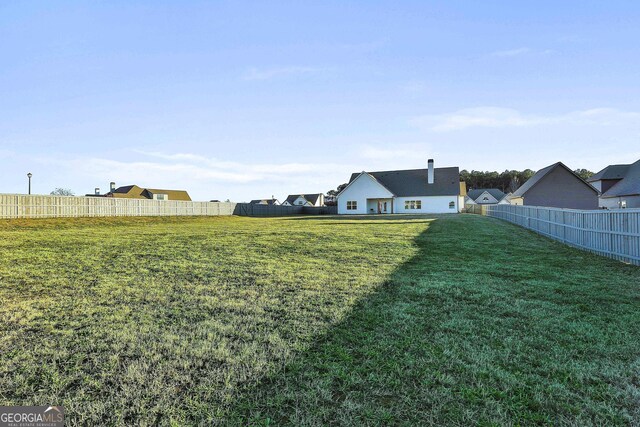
x=485 y=199
x=352 y=205
x=413 y=204
x=452 y=205
x=160 y=197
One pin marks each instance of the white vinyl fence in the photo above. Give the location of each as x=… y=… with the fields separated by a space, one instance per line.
x=37 y=206
x=614 y=233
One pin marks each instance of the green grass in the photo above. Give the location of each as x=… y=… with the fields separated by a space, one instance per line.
x=452 y=320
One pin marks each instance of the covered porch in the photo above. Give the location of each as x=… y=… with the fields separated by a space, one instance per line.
x=380 y=206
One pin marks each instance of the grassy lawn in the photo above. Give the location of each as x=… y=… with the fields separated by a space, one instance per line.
x=452 y=320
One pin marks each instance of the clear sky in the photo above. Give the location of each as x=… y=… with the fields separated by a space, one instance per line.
x=246 y=100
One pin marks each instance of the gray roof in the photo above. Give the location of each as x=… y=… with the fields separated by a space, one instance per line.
x=629 y=185
x=610 y=172
x=413 y=182
x=497 y=194
x=264 y=201
x=520 y=192
x=312 y=198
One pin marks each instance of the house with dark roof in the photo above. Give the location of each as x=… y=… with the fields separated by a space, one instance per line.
x=316 y=199
x=271 y=202
x=559 y=187
x=430 y=190
x=135 y=192
x=619 y=185
x=488 y=196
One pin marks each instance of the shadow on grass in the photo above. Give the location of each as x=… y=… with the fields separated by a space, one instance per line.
x=488 y=324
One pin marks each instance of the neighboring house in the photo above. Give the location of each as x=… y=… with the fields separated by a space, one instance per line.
x=557 y=186
x=270 y=202
x=620 y=186
x=304 y=200
x=512 y=200
x=135 y=192
x=489 y=196
x=431 y=190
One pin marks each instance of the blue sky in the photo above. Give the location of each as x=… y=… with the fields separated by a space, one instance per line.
x=243 y=100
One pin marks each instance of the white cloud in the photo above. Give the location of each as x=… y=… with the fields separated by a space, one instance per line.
x=496 y=117
x=519 y=52
x=511 y=52
x=270 y=73
x=204 y=177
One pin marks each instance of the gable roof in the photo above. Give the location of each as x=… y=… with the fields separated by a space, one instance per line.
x=496 y=193
x=311 y=198
x=610 y=172
x=538 y=176
x=135 y=192
x=629 y=185
x=413 y=182
x=172 y=194
x=264 y=202
x=128 y=191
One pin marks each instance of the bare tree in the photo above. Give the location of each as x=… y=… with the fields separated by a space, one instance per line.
x=62 y=192
x=514 y=184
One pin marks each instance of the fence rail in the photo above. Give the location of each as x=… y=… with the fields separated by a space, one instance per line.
x=41 y=206
x=615 y=233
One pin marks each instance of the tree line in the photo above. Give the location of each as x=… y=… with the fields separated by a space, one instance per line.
x=507 y=181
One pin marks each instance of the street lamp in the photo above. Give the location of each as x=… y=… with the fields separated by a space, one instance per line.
x=29 y=175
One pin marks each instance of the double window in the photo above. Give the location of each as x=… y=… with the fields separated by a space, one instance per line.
x=352 y=205
x=413 y=204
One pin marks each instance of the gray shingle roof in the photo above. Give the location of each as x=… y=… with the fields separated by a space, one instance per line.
x=629 y=185
x=520 y=192
x=610 y=172
x=413 y=182
x=312 y=198
x=498 y=194
x=264 y=201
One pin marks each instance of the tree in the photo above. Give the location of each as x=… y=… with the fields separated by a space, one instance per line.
x=514 y=184
x=333 y=193
x=62 y=192
x=584 y=173
x=507 y=181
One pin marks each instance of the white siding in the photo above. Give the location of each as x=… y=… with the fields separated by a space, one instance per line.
x=490 y=199
x=614 y=202
x=430 y=204
x=362 y=188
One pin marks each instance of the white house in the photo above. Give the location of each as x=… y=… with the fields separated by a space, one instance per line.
x=304 y=200
x=430 y=190
x=619 y=186
x=489 y=196
x=272 y=201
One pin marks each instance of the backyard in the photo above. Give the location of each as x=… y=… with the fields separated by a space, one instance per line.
x=309 y=321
